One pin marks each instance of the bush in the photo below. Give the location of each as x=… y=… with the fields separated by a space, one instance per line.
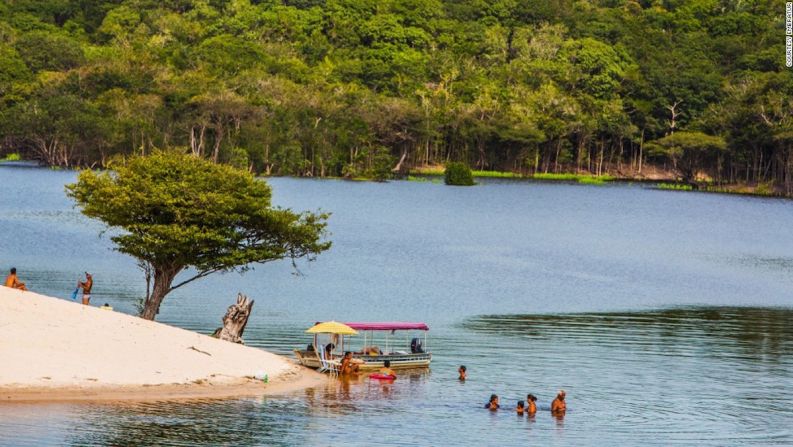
x=458 y=174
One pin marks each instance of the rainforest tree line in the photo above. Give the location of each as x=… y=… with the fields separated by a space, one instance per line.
x=365 y=87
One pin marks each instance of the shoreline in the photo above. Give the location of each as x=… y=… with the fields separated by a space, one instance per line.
x=55 y=349
x=297 y=379
x=421 y=174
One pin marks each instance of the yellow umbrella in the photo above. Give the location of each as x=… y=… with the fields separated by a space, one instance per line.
x=331 y=327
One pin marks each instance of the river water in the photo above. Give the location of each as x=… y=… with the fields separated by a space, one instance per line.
x=667 y=316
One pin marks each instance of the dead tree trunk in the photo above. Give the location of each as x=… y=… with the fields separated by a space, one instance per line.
x=235 y=320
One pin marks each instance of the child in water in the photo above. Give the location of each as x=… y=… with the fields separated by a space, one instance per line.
x=493 y=405
x=462 y=372
x=520 y=408
x=532 y=408
x=386 y=369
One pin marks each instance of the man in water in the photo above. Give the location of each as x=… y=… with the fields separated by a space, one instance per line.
x=14 y=282
x=386 y=369
x=493 y=405
x=520 y=408
x=86 y=286
x=558 y=406
x=462 y=371
x=347 y=366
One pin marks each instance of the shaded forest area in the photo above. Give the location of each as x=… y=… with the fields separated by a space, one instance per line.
x=364 y=88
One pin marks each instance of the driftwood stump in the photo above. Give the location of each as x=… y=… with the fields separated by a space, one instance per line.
x=235 y=320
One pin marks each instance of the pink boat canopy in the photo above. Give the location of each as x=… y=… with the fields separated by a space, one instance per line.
x=389 y=326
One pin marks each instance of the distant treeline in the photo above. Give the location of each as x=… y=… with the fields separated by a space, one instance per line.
x=358 y=88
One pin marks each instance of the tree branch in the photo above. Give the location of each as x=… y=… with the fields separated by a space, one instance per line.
x=198 y=276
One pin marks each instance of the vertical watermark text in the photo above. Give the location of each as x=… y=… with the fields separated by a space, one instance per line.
x=789 y=34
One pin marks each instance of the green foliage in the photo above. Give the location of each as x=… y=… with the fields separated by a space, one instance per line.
x=12 y=157
x=175 y=212
x=495 y=174
x=458 y=174
x=688 y=151
x=42 y=50
x=351 y=88
x=674 y=186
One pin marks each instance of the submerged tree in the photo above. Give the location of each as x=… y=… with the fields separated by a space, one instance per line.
x=179 y=213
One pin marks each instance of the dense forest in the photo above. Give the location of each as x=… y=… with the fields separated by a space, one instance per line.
x=365 y=88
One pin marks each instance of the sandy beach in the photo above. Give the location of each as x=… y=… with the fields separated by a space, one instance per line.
x=53 y=349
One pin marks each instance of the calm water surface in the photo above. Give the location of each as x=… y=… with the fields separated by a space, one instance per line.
x=667 y=316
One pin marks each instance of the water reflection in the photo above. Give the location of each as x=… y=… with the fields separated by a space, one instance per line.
x=753 y=335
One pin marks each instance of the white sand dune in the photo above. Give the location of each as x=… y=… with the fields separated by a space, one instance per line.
x=51 y=348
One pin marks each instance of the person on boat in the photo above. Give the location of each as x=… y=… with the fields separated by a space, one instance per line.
x=13 y=281
x=329 y=351
x=462 y=372
x=86 y=286
x=493 y=405
x=386 y=369
x=521 y=408
x=532 y=406
x=559 y=406
x=347 y=366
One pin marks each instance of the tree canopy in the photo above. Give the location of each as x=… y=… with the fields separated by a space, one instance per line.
x=179 y=213
x=356 y=87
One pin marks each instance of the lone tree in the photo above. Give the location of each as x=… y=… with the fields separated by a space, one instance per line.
x=179 y=213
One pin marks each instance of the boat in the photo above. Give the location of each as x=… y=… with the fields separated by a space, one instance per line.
x=381 y=341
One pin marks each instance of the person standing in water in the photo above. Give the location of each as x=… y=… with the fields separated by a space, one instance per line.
x=386 y=369
x=13 y=281
x=462 y=372
x=531 y=409
x=86 y=286
x=521 y=408
x=347 y=366
x=559 y=406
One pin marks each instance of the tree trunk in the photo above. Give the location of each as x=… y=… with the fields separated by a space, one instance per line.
x=163 y=278
x=235 y=320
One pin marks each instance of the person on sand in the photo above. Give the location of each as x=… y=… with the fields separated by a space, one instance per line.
x=13 y=281
x=86 y=286
x=347 y=366
x=521 y=408
x=532 y=407
x=386 y=369
x=493 y=405
x=462 y=372
x=559 y=406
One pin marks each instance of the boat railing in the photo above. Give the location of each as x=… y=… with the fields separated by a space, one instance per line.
x=394 y=357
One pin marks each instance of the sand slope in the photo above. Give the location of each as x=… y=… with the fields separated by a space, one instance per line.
x=53 y=344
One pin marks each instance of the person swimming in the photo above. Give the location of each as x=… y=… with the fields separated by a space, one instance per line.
x=531 y=408
x=521 y=408
x=462 y=372
x=559 y=406
x=493 y=405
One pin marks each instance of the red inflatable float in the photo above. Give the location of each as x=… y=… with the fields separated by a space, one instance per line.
x=378 y=376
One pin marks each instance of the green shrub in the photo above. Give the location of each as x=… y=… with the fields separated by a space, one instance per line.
x=458 y=174
x=12 y=157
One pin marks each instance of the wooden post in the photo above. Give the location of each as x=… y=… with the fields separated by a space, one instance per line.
x=235 y=320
